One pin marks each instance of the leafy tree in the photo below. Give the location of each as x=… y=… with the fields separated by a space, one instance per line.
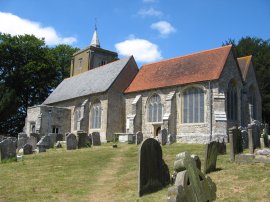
x=29 y=70
x=260 y=50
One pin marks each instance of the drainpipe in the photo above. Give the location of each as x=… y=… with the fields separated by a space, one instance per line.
x=210 y=108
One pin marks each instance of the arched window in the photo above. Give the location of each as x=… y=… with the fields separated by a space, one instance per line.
x=154 y=109
x=77 y=117
x=232 y=101
x=252 y=100
x=193 y=111
x=95 y=115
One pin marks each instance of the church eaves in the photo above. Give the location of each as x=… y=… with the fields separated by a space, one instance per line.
x=94 y=81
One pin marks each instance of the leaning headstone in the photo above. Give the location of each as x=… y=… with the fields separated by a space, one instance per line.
x=32 y=141
x=27 y=149
x=163 y=136
x=210 y=161
x=45 y=141
x=22 y=140
x=82 y=139
x=190 y=183
x=96 y=139
x=7 y=149
x=139 y=137
x=59 y=137
x=153 y=172
x=52 y=139
x=72 y=142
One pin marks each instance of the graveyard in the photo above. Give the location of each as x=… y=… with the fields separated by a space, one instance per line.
x=104 y=173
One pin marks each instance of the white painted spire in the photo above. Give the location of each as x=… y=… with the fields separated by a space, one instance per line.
x=95 y=40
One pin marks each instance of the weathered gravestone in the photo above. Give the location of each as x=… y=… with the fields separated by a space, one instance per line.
x=45 y=141
x=96 y=139
x=221 y=147
x=41 y=147
x=153 y=172
x=7 y=149
x=32 y=141
x=22 y=140
x=52 y=137
x=82 y=139
x=27 y=149
x=59 y=137
x=139 y=137
x=131 y=138
x=245 y=138
x=89 y=140
x=36 y=135
x=72 y=142
x=250 y=139
x=163 y=136
x=210 y=161
x=190 y=183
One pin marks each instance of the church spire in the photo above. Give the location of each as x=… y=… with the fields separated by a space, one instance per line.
x=95 y=40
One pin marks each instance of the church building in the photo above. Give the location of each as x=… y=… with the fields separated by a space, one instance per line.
x=196 y=97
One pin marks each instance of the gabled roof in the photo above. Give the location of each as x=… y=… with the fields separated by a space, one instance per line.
x=202 y=66
x=244 y=63
x=93 y=81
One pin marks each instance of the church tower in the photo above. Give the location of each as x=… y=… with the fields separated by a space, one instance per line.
x=91 y=57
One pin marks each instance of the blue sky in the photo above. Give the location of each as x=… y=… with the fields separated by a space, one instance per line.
x=149 y=29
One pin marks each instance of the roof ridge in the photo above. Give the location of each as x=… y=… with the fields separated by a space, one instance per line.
x=190 y=54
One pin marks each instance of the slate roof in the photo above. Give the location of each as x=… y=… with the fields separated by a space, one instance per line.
x=202 y=66
x=93 y=81
x=244 y=63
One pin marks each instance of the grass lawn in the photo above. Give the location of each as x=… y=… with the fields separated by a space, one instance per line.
x=107 y=174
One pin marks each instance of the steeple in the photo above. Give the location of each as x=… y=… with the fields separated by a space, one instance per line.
x=95 y=40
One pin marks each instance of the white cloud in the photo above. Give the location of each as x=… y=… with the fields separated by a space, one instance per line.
x=15 y=25
x=164 y=28
x=142 y=50
x=150 y=12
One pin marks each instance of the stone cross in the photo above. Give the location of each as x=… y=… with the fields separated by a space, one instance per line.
x=153 y=172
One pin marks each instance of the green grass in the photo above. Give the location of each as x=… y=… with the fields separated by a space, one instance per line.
x=107 y=174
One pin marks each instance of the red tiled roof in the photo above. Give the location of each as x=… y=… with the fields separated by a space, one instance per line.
x=244 y=63
x=202 y=66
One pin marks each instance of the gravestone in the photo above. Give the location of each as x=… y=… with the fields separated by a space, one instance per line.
x=197 y=161
x=221 y=147
x=96 y=139
x=139 y=137
x=32 y=141
x=27 y=149
x=245 y=138
x=190 y=183
x=82 y=139
x=45 y=141
x=52 y=139
x=153 y=172
x=36 y=135
x=163 y=136
x=131 y=138
x=250 y=140
x=7 y=149
x=89 y=140
x=170 y=139
x=22 y=140
x=210 y=161
x=72 y=142
x=59 y=137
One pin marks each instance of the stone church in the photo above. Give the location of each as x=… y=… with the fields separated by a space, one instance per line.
x=196 y=97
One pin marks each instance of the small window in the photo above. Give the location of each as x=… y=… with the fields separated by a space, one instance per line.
x=80 y=63
x=232 y=105
x=154 y=109
x=33 y=128
x=55 y=129
x=193 y=105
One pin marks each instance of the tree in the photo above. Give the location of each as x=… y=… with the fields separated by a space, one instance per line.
x=260 y=50
x=29 y=70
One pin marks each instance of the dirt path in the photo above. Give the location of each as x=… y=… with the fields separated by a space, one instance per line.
x=104 y=187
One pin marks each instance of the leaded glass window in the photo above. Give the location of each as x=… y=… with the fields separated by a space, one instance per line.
x=232 y=106
x=154 y=109
x=95 y=119
x=193 y=105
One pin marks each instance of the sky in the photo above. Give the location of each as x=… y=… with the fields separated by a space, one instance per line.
x=150 y=30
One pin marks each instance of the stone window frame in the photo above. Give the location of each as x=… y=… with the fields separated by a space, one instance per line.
x=252 y=99
x=80 y=61
x=232 y=100
x=31 y=125
x=95 y=119
x=159 y=108
x=185 y=89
